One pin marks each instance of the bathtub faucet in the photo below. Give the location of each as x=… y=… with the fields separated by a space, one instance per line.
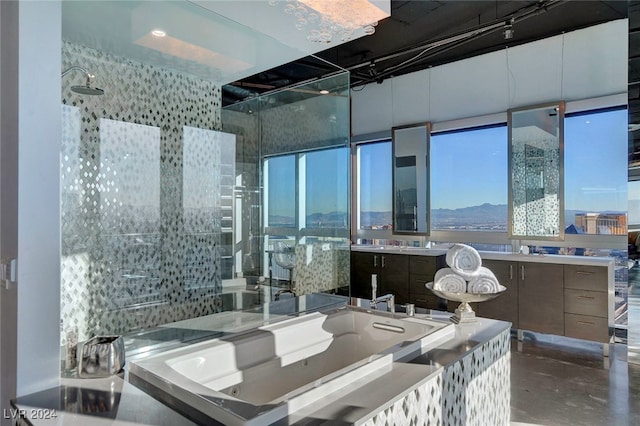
x=389 y=298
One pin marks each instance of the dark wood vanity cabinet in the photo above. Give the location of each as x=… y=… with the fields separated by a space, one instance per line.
x=533 y=300
x=392 y=271
x=363 y=265
x=505 y=306
x=402 y=275
x=421 y=271
x=586 y=303
x=564 y=299
x=541 y=297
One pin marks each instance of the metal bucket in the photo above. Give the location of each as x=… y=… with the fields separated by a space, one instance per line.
x=101 y=356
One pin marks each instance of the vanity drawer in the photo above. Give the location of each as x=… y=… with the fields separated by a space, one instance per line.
x=425 y=265
x=586 y=327
x=417 y=284
x=427 y=301
x=586 y=277
x=583 y=302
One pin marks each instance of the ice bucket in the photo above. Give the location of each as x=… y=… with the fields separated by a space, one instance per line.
x=101 y=356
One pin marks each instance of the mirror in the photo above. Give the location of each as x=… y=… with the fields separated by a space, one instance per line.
x=410 y=147
x=536 y=181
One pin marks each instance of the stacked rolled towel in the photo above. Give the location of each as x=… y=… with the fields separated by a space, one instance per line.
x=465 y=273
x=484 y=282
x=464 y=260
x=446 y=279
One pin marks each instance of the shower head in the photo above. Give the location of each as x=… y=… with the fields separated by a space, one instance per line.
x=86 y=89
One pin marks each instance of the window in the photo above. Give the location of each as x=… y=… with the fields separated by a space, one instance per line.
x=469 y=180
x=634 y=203
x=280 y=187
x=596 y=172
x=375 y=202
x=325 y=188
x=308 y=190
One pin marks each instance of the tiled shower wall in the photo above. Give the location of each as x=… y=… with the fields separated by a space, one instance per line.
x=140 y=227
x=536 y=198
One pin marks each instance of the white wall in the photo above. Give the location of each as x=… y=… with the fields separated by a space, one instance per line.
x=40 y=133
x=8 y=194
x=578 y=65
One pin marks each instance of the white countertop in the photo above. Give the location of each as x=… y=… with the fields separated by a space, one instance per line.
x=414 y=251
x=548 y=258
x=492 y=255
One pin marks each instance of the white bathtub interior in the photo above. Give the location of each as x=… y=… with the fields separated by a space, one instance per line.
x=270 y=371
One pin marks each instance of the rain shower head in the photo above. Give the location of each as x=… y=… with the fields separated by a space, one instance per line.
x=86 y=89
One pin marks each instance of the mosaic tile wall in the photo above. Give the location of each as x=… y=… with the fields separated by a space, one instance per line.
x=314 y=123
x=536 y=188
x=473 y=391
x=320 y=267
x=140 y=231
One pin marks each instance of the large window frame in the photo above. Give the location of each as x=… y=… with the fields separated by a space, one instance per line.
x=480 y=237
x=300 y=231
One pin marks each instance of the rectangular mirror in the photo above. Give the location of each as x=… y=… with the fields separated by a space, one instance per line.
x=536 y=171
x=410 y=152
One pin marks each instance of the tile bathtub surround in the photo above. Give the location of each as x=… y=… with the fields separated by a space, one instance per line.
x=140 y=233
x=474 y=390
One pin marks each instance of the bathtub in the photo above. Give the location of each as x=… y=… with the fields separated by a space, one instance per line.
x=260 y=376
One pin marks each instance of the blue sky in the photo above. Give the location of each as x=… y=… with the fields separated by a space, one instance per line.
x=469 y=171
x=375 y=166
x=327 y=179
x=596 y=173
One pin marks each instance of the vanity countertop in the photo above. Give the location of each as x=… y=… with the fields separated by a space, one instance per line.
x=492 y=255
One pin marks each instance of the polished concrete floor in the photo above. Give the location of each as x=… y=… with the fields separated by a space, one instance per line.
x=557 y=381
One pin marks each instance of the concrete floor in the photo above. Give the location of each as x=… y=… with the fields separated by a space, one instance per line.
x=557 y=381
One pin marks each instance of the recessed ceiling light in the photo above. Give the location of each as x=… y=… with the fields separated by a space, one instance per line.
x=324 y=92
x=158 y=33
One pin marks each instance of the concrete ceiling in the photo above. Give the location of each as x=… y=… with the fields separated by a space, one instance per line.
x=424 y=33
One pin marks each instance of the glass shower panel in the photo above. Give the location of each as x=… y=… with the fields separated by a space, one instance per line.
x=311 y=122
x=277 y=133
x=207 y=181
x=75 y=309
x=129 y=215
x=536 y=172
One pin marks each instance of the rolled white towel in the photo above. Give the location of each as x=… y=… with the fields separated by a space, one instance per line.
x=465 y=260
x=446 y=279
x=484 y=282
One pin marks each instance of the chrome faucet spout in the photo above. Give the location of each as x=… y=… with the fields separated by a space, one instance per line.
x=388 y=298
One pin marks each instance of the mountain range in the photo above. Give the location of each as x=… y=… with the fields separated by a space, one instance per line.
x=486 y=214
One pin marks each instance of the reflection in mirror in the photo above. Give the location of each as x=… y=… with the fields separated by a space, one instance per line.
x=536 y=181
x=410 y=179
